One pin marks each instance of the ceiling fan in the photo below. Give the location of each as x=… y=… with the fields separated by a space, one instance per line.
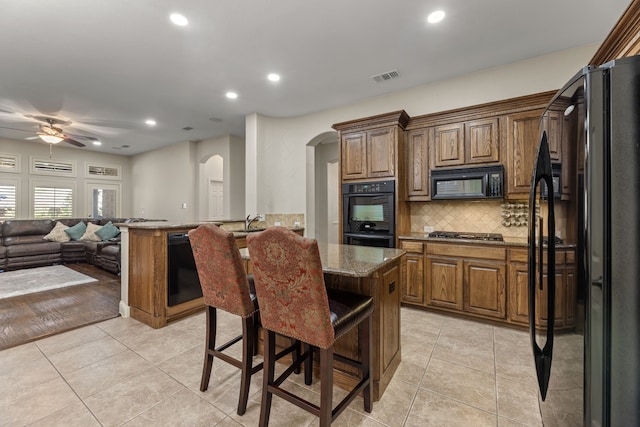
x=51 y=132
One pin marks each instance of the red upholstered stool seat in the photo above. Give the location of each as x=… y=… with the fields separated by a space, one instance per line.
x=295 y=303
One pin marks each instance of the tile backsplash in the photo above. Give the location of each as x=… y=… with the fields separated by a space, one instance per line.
x=471 y=216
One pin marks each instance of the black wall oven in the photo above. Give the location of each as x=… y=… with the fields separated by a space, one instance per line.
x=368 y=213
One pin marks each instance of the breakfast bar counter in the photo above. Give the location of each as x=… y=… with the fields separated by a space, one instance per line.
x=374 y=272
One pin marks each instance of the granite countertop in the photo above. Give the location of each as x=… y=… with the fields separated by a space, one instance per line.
x=350 y=260
x=164 y=225
x=521 y=242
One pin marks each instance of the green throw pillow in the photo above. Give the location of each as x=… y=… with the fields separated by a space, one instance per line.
x=108 y=231
x=77 y=231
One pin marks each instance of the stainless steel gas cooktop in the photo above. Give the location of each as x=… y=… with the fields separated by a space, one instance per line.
x=495 y=237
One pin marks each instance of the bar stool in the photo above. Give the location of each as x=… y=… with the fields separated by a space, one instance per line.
x=295 y=303
x=225 y=285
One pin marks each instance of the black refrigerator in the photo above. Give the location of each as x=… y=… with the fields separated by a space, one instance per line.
x=590 y=376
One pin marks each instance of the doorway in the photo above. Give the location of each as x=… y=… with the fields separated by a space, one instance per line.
x=216 y=199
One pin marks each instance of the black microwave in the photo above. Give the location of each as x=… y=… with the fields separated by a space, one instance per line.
x=556 y=170
x=468 y=183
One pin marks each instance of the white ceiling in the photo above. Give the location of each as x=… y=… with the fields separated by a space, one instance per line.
x=107 y=65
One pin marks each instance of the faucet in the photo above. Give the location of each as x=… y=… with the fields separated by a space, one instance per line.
x=250 y=221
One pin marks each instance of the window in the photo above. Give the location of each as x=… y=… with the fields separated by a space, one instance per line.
x=7 y=201
x=103 y=200
x=103 y=171
x=52 y=201
x=9 y=162
x=53 y=167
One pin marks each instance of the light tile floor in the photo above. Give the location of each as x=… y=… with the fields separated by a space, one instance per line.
x=121 y=372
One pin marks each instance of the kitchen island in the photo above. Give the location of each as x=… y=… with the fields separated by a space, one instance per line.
x=374 y=272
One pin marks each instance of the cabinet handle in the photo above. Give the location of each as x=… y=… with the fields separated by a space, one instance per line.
x=392 y=286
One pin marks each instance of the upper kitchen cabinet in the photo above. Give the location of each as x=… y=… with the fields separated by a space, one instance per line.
x=418 y=184
x=521 y=142
x=468 y=143
x=371 y=147
x=449 y=145
x=481 y=141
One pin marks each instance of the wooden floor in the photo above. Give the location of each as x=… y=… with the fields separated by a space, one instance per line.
x=30 y=317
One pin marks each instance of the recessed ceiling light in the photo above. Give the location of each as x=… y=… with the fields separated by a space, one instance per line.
x=150 y=122
x=231 y=95
x=274 y=77
x=97 y=143
x=178 y=19
x=435 y=17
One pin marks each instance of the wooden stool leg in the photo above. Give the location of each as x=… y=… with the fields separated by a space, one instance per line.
x=308 y=365
x=364 y=338
x=267 y=376
x=247 y=359
x=256 y=328
x=210 y=344
x=326 y=386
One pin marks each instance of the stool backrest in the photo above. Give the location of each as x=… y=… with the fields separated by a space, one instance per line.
x=221 y=270
x=289 y=282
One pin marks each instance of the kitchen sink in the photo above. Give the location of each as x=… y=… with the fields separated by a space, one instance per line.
x=250 y=230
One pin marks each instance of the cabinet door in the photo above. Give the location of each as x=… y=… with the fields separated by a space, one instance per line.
x=542 y=310
x=354 y=155
x=444 y=282
x=518 y=293
x=521 y=142
x=418 y=164
x=390 y=315
x=552 y=123
x=449 y=145
x=481 y=141
x=484 y=288
x=413 y=280
x=381 y=152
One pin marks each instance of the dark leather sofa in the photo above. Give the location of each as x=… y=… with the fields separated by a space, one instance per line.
x=22 y=245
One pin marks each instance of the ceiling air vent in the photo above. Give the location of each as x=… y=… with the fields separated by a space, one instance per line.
x=386 y=76
x=187 y=128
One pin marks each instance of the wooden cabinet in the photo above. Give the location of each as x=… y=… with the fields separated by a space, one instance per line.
x=444 y=282
x=566 y=297
x=481 y=141
x=448 y=145
x=485 y=288
x=369 y=154
x=470 y=278
x=147 y=277
x=371 y=148
x=521 y=142
x=413 y=272
x=354 y=155
x=418 y=184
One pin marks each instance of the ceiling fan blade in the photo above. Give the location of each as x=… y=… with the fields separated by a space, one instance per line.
x=73 y=142
x=21 y=130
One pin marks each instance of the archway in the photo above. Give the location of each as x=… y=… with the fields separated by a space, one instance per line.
x=322 y=187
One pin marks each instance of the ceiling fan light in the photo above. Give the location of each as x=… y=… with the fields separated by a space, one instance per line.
x=51 y=139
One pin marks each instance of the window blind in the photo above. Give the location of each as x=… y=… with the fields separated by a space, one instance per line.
x=52 y=202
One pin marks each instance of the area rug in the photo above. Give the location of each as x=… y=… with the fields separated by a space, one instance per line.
x=31 y=280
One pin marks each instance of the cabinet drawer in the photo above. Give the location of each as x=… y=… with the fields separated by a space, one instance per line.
x=481 y=252
x=416 y=247
x=520 y=255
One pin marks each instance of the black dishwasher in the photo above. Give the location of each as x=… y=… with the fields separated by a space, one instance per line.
x=183 y=281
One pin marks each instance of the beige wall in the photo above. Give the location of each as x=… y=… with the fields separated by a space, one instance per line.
x=27 y=149
x=277 y=145
x=167 y=178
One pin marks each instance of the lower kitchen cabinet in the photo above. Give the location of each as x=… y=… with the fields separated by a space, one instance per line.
x=413 y=272
x=566 y=299
x=487 y=281
x=485 y=288
x=444 y=282
x=467 y=278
